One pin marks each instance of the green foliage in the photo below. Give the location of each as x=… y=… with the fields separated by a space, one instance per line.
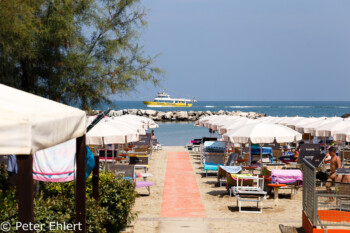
x=118 y=196
x=60 y=209
x=3 y=178
x=74 y=51
x=56 y=204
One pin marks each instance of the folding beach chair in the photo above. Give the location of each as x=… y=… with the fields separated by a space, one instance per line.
x=245 y=193
x=212 y=161
x=156 y=145
x=139 y=159
x=128 y=172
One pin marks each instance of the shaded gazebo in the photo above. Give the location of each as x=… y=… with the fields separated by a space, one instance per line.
x=29 y=123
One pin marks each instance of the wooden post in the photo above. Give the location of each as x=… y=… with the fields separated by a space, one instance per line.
x=25 y=190
x=80 y=185
x=96 y=178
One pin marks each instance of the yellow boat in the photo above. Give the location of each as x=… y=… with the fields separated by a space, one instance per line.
x=164 y=100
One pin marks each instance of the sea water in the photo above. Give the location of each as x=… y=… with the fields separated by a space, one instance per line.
x=171 y=134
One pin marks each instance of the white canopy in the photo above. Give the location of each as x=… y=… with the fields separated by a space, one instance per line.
x=213 y=120
x=149 y=122
x=260 y=132
x=123 y=123
x=309 y=127
x=30 y=123
x=234 y=124
x=105 y=133
x=201 y=121
x=219 y=123
x=327 y=130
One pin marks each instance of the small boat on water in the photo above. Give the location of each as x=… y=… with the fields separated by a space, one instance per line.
x=164 y=100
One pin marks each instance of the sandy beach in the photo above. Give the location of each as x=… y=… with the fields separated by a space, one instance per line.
x=221 y=210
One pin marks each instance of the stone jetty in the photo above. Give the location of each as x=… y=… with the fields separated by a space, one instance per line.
x=178 y=115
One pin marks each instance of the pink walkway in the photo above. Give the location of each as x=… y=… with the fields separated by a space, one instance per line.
x=181 y=196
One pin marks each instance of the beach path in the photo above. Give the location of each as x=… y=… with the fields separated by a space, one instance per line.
x=181 y=196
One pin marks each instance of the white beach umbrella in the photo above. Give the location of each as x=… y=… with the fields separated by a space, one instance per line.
x=215 y=124
x=260 y=132
x=269 y=119
x=341 y=135
x=309 y=127
x=201 y=121
x=213 y=120
x=288 y=120
x=327 y=130
x=293 y=123
x=233 y=124
x=123 y=123
x=149 y=122
x=104 y=133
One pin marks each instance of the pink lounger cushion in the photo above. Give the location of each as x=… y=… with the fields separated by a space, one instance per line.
x=140 y=184
x=285 y=176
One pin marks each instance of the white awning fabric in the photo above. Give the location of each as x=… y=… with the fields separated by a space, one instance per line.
x=29 y=123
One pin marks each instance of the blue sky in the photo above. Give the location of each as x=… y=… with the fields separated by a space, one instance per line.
x=249 y=49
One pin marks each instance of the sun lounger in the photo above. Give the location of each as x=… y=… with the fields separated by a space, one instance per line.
x=223 y=170
x=232 y=180
x=128 y=172
x=248 y=193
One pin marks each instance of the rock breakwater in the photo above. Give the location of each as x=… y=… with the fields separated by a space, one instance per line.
x=178 y=115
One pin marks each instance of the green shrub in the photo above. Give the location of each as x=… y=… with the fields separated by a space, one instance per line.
x=56 y=204
x=118 y=196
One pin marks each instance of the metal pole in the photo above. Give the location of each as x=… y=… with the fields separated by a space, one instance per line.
x=250 y=153
x=105 y=148
x=95 y=179
x=80 y=185
x=112 y=154
x=25 y=190
x=342 y=160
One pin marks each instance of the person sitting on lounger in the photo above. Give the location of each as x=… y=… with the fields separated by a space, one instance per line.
x=296 y=153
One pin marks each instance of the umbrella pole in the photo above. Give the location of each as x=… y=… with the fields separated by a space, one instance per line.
x=241 y=150
x=250 y=153
x=104 y=146
x=342 y=159
x=261 y=151
x=112 y=154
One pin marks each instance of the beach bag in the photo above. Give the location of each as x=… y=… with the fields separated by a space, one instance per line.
x=322 y=176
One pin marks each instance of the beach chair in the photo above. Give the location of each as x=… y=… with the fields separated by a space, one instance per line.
x=232 y=179
x=232 y=159
x=128 y=172
x=107 y=155
x=223 y=170
x=156 y=145
x=212 y=160
x=139 y=160
x=193 y=146
x=247 y=193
